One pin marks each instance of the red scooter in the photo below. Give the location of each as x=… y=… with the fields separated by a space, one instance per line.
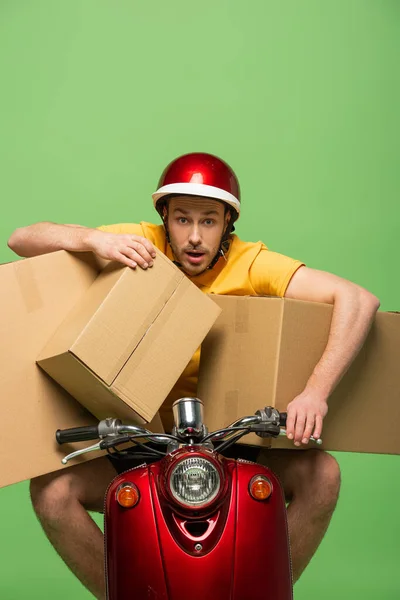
x=193 y=524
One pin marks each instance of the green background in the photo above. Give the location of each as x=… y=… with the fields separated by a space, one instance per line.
x=301 y=98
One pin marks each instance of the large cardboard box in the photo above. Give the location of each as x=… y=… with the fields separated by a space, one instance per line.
x=124 y=345
x=36 y=296
x=261 y=351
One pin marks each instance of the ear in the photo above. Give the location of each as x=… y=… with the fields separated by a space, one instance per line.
x=228 y=217
x=164 y=212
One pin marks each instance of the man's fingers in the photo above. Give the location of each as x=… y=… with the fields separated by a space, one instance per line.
x=290 y=421
x=125 y=260
x=147 y=244
x=299 y=429
x=309 y=428
x=318 y=427
x=143 y=247
x=133 y=240
x=134 y=255
x=140 y=249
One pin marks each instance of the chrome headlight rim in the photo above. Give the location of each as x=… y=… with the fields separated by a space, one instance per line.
x=209 y=501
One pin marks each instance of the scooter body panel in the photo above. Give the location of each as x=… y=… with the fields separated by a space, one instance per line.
x=152 y=552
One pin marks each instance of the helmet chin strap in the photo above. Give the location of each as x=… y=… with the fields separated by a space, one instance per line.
x=223 y=248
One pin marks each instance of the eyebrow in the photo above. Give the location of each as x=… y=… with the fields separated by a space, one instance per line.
x=205 y=213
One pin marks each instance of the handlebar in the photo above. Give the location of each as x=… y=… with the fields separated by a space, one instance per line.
x=267 y=422
x=77 y=434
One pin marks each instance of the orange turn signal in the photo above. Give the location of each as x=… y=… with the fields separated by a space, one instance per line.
x=260 y=487
x=127 y=495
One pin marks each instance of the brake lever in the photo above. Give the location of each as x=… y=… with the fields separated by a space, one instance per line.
x=69 y=457
x=101 y=445
x=311 y=438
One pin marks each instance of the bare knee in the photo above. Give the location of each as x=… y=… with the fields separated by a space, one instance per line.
x=84 y=485
x=318 y=479
x=52 y=494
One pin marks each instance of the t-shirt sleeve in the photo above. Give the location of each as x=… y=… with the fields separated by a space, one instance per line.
x=129 y=228
x=270 y=273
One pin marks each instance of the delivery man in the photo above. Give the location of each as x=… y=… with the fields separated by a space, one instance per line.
x=198 y=199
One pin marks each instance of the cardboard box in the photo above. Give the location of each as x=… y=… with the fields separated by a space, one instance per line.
x=261 y=351
x=124 y=345
x=36 y=296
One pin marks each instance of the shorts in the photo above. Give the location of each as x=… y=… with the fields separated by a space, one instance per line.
x=126 y=462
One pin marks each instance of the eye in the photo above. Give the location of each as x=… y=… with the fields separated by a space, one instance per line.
x=182 y=220
x=209 y=222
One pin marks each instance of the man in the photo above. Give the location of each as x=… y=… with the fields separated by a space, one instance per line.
x=198 y=199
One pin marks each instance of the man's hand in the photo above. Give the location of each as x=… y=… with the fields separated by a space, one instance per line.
x=41 y=238
x=305 y=415
x=131 y=250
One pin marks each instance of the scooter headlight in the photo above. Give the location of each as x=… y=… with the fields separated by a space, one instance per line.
x=194 y=481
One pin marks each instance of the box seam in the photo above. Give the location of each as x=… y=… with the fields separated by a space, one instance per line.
x=138 y=343
x=100 y=380
x=278 y=354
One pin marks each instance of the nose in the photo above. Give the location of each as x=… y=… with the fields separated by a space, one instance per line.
x=194 y=236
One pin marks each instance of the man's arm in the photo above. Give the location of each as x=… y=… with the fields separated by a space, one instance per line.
x=354 y=310
x=42 y=238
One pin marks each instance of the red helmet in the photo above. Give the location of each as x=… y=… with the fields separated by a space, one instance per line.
x=199 y=174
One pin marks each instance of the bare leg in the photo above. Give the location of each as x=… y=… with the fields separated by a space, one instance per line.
x=311 y=482
x=61 y=501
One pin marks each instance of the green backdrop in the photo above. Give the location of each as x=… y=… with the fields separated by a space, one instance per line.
x=302 y=98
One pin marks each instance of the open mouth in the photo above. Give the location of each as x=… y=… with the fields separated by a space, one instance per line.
x=195 y=257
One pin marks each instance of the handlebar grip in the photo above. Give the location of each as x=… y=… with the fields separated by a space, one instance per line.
x=77 y=434
x=282 y=419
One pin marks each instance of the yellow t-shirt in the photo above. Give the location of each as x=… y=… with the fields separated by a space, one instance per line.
x=250 y=269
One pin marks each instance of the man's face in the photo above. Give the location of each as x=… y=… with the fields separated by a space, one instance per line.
x=195 y=226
